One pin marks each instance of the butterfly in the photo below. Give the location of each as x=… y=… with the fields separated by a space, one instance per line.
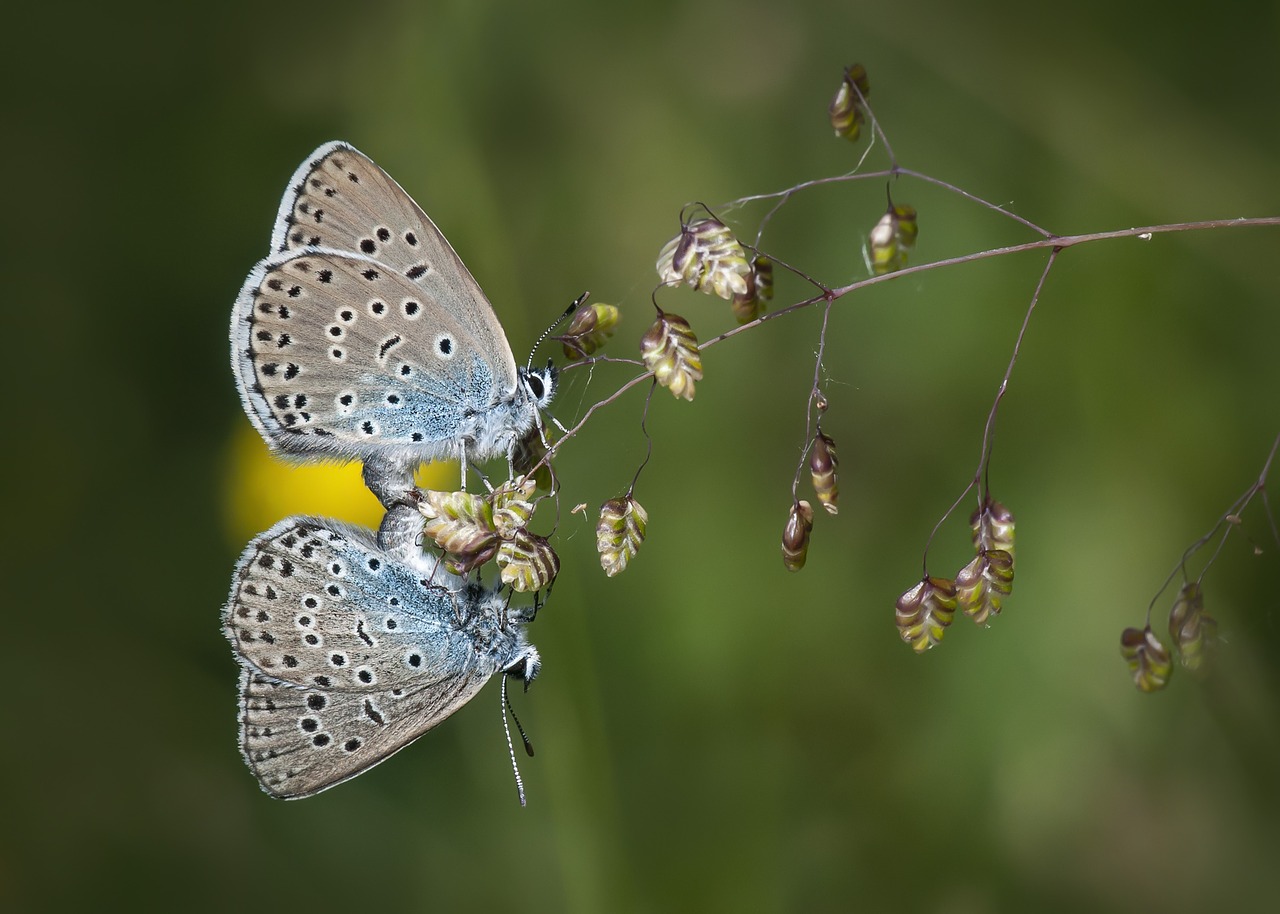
x=362 y=336
x=347 y=654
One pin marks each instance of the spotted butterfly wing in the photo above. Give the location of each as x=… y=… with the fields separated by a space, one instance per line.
x=363 y=336
x=348 y=655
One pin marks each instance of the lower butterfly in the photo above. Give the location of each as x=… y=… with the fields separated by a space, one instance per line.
x=348 y=654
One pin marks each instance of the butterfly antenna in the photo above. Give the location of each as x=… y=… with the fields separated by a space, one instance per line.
x=511 y=749
x=577 y=303
x=528 y=746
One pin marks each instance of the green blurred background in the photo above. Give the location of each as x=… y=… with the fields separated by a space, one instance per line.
x=713 y=732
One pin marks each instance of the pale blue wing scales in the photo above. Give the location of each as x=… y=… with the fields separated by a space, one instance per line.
x=349 y=655
x=315 y=603
x=337 y=355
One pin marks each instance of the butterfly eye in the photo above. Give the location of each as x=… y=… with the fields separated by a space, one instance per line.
x=526 y=667
x=540 y=383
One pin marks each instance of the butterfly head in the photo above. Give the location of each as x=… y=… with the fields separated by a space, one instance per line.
x=539 y=383
x=525 y=666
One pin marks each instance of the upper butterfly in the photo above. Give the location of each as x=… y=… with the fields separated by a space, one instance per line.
x=362 y=336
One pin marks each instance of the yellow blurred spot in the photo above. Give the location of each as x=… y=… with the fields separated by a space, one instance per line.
x=260 y=489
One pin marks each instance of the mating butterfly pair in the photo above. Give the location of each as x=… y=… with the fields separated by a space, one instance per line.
x=362 y=336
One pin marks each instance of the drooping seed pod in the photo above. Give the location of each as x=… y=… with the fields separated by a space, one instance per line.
x=908 y=225
x=511 y=506
x=461 y=524
x=891 y=240
x=762 y=269
x=795 y=535
x=528 y=562
x=982 y=585
x=1194 y=631
x=677 y=257
x=467 y=562
x=992 y=525
x=588 y=330
x=822 y=467
x=528 y=453
x=751 y=304
x=1148 y=659
x=847 y=108
x=708 y=257
x=924 y=612
x=619 y=533
x=670 y=350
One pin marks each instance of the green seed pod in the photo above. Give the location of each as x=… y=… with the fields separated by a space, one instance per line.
x=1148 y=659
x=982 y=585
x=588 y=330
x=1194 y=631
x=890 y=240
x=992 y=525
x=923 y=613
x=619 y=533
x=528 y=562
x=511 y=506
x=670 y=350
x=750 y=305
x=846 y=108
x=708 y=257
x=528 y=453
x=461 y=524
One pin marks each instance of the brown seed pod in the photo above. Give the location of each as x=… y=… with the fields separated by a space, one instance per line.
x=588 y=330
x=619 y=533
x=982 y=585
x=512 y=508
x=708 y=257
x=461 y=524
x=822 y=468
x=923 y=613
x=795 y=535
x=992 y=525
x=528 y=562
x=670 y=350
x=528 y=453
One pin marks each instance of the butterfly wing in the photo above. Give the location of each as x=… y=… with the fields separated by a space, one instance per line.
x=337 y=355
x=299 y=742
x=347 y=655
x=340 y=199
x=385 y=279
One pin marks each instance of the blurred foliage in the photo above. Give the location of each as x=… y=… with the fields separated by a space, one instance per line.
x=713 y=732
